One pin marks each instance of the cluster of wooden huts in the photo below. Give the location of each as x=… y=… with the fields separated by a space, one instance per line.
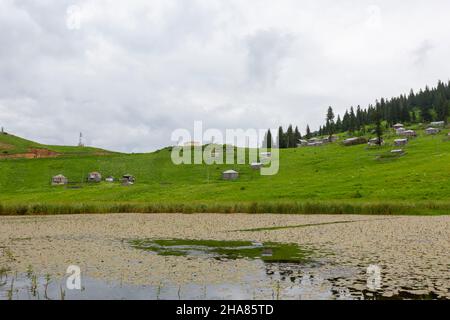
x=234 y=175
x=433 y=128
x=400 y=130
x=94 y=177
x=316 y=142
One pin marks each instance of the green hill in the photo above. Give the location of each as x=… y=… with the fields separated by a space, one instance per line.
x=13 y=146
x=328 y=179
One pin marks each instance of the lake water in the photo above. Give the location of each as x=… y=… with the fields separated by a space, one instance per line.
x=285 y=271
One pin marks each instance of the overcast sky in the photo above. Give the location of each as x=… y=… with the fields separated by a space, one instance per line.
x=128 y=73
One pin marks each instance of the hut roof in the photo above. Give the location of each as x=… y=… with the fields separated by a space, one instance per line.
x=230 y=171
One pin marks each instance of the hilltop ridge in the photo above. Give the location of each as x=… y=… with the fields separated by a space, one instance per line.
x=12 y=146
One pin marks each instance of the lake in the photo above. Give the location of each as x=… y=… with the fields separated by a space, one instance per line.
x=219 y=256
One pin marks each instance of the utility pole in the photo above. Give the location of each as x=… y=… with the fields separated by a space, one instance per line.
x=80 y=142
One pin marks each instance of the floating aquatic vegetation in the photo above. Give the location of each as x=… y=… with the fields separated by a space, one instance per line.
x=267 y=251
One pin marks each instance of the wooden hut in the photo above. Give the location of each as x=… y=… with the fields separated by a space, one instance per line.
x=94 y=177
x=230 y=175
x=400 y=131
x=398 y=151
x=333 y=138
x=400 y=142
x=374 y=142
x=409 y=133
x=128 y=179
x=59 y=180
x=256 y=165
x=354 y=141
x=437 y=124
x=432 y=130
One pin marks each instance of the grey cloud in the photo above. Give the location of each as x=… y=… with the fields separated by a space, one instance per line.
x=421 y=53
x=135 y=71
x=266 y=50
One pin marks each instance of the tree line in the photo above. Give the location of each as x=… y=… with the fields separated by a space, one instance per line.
x=424 y=106
x=287 y=139
x=430 y=104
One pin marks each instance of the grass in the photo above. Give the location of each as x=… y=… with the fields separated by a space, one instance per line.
x=329 y=179
x=10 y=145
x=322 y=207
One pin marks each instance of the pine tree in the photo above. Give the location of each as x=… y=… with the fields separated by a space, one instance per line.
x=412 y=99
x=330 y=122
x=338 y=124
x=352 y=124
x=290 y=143
x=268 y=141
x=378 y=128
x=413 y=116
x=281 y=138
x=346 y=121
x=406 y=117
x=359 y=118
x=308 y=132
x=297 y=136
x=425 y=114
x=442 y=111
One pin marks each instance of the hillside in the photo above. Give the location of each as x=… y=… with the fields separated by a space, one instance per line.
x=15 y=147
x=328 y=179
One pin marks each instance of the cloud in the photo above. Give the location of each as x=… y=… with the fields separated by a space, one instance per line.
x=266 y=51
x=421 y=53
x=127 y=74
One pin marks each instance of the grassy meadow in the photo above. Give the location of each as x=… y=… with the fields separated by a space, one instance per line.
x=327 y=179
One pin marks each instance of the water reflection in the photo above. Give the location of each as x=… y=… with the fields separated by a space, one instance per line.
x=273 y=281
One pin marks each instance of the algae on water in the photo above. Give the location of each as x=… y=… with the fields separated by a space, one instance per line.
x=267 y=251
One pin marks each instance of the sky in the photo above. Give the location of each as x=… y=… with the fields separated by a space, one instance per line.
x=129 y=73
